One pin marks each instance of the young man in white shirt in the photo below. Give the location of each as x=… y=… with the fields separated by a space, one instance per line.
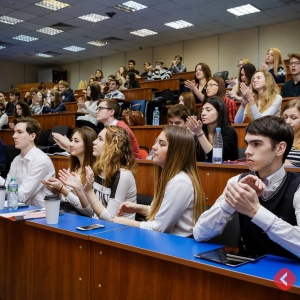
x=31 y=165
x=267 y=199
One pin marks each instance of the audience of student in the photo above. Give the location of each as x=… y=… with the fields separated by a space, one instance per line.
x=131 y=65
x=31 y=165
x=177 y=66
x=187 y=99
x=14 y=96
x=214 y=114
x=56 y=104
x=291 y=88
x=159 y=72
x=198 y=85
x=275 y=65
x=234 y=81
x=67 y=94
x=89 y=107
x=81 y=150
x=113 y=182
x=22 y=110
x=267 y=199
x=245 y=76
x=216 y=87
x=178 y=196
x=3 y=115
x=131 y=82
x=114 y=92
x=291 y=115
x=263 y=100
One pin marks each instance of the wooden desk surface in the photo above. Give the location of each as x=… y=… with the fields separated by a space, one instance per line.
x=139 y=94
x=160 y=85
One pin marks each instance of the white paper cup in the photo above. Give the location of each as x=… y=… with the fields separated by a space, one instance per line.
x=52 y=204
x=2 y=196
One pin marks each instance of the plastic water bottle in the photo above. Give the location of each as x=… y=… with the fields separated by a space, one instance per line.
x=155 y=119
x=12 y=194
x=218 y=147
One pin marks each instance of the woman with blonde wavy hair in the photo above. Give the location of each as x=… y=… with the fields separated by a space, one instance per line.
x=260 y=99
x=291 y=115
x=178 y=196
x=111 y=181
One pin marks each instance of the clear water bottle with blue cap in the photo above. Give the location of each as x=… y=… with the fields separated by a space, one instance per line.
x=156 y=115
x=218 y=147
x=12 y=194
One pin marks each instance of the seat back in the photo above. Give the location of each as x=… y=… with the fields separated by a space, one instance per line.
x=10 y=152
x=63 y=130
x=166 y=96
x=222 y=74
x=142 y=103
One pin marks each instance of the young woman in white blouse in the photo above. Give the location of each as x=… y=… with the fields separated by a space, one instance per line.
x=178 y=195
x=260 y=99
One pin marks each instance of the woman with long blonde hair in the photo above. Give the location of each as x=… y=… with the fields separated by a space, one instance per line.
x=178 y=196
x=275 y=65
x=291 y=114
x=111 y=180
x=260 y=99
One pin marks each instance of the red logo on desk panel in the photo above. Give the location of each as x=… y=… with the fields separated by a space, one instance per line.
x=284 y=279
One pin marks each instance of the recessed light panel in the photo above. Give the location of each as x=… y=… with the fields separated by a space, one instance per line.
x=98 y=43
x=49 y=30
x=143 y=32
x=93 y=18
x=25 y=38
x=179 y=24
x=74 y=48
x=9 y=20
x=2 y=47
x=243 y=10
x=130 y=6
x=42 y=55
x=52 y=4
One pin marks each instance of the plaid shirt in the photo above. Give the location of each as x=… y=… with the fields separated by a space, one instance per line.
x=231 y=108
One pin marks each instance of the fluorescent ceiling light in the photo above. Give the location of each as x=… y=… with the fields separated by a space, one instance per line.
x=143 y=32
x=25 y=38
x=243 y=10
x=52 y=4
x=43 y=55
x=74 y=48
x=179 y=24
x=2 y=47
x=130 y=6
x=93 y=18
x=49 y=30
x=9 y=20
x=98 y=43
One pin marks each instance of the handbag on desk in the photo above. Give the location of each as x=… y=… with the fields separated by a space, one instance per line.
x=133 y=117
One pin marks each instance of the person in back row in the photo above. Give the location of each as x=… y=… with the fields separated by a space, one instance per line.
x=177 y=66
x=159 y=72
x=67 y=94
x=31 y=165
x=267 y=199
x=14 y=96
x=114 y=92
x=291 y=88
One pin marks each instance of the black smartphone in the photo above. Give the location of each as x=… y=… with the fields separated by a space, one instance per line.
x=90 y=227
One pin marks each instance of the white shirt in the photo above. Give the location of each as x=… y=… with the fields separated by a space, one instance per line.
x=91 y=113
x=29 y=170
x=175 y=214
x=213 y=221
x=3 y=120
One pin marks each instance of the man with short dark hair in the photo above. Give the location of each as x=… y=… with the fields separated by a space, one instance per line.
x=291 y=88
x=131 y=65
x=177 y=66
x=14 y=96
x=114 y=92
x=267 y=199
x=31 y=165
x=67 y=94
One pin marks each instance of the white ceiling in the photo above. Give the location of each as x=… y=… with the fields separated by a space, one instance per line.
x=208 y=16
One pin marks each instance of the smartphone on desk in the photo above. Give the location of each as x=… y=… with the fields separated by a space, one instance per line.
x=90 y=227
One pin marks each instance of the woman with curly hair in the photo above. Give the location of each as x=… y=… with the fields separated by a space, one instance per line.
x=260 y=99
x=81 y=150
x=22 y=109
x=111 y=180
x=56 y=103
x=178 y=196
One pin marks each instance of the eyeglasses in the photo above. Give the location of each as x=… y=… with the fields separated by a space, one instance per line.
x=296 y=63
x=102 y=107
x=211 y=85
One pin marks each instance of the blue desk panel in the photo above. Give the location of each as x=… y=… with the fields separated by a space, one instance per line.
x=185 y=248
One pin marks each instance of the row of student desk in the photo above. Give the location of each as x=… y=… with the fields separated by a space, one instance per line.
x=40 y=261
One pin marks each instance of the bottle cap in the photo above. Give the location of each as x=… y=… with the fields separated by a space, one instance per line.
x=218 y=129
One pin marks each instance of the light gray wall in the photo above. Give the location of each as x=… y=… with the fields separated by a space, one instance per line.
x=220 y=52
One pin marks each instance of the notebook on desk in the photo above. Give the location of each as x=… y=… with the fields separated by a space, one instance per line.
x=230 y=256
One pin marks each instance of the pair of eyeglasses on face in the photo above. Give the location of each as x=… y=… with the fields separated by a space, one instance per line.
x=210 y=85
x=102 y=107
x=294 y=63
